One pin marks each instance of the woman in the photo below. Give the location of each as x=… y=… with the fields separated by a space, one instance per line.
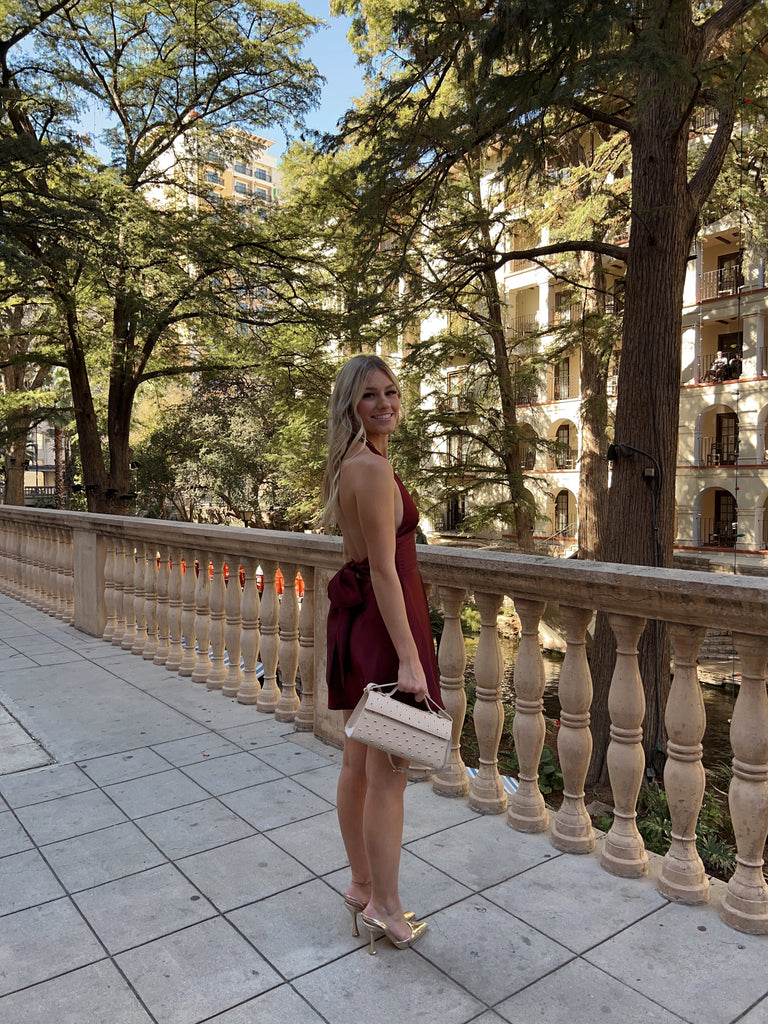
x=378 y=632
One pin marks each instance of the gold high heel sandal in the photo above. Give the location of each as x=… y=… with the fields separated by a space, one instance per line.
x=355 y=907
x=376 y=928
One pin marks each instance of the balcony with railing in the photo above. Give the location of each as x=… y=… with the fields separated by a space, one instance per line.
x=130 y=582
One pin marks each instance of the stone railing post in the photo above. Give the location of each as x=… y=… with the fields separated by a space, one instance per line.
x=109 y=590
x=624 y=853
x=202 y=668
x=151 y=604
x=682 y=875
x=288 y=651
x=486 y=790
x=163 y=589
x=452 y=661
x=189 y=642
x=250 y=638
x=175 y=582
x=527 y=810
x=572 y=829
x=218 y=597
x=305 y=716
x=121 y=556
x=234 y=623
x=129 y=596
x=139 y=600
x=745 y=904
x=270 y=639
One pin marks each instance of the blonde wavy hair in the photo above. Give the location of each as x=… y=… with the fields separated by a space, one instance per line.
x=344 y=425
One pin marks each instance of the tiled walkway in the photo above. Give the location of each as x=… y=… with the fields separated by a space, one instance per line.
x=168 y=855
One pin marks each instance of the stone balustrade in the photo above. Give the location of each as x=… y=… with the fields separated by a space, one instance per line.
x=186 y=597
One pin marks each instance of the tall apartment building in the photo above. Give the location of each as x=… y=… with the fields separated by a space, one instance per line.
x=722 y=470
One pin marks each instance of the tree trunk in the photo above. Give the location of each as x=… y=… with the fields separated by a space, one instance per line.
x=593 y=478
x=641 y=501
x=13 y=493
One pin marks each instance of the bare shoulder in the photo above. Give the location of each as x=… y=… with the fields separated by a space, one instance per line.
x=366 y=470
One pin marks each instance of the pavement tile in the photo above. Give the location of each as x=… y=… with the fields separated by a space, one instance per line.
x=599 y=904
x=263 y=732
x=42 y=942
x=291 y=758
x=300 y=929
x=482 y=852
x=426 y=812
x=221 y=775
x=25 y=881
x=580 y=992
x=464 y=941
x=322 y=781
x=275 y=803
x=395 y=985
x=195 y=748
x=140 y=908
x=242 y=872
x=757 y=1015
x=92 y=995
x=278 y=1006
x=316 y=842
x=44 y=784
x=672 y=953
x=152 y=794
x=13 y=838
x=196 y=973
x=131 y=764
x=102 y=856
x=69 y=816
x=188 y=830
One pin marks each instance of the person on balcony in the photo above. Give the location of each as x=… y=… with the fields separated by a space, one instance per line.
x=719 y=368
x=379 y=631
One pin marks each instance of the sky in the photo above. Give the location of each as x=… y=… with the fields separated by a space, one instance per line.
x=333 y=57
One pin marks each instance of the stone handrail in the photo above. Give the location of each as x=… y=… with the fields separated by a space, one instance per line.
x=132 y=582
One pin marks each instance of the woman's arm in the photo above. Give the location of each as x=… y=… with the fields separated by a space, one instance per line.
x=374 y=490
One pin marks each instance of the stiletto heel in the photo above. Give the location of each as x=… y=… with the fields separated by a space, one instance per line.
x=355 y=907
x=376 y=928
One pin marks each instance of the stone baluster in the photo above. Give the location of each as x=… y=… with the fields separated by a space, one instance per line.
x=129 y=596
x=218 y=596
x=232 y=629
x=53 y=571
x=202 y=668
x=151 y=604
x=29 y=567
x=745 y=904
x=48 y=575
x=288 y=656
x=139 y=599
x=305 y=716
x=6 y=540
x=33 y=568
x=121 y=556
x=189 y=583
x=624 y=853
x=682 y=875
x=486 y=790
x=162 y=588
x=270 y=640
x=109 y=590
x=175 y=581
x=61 y=573
x=572 y=828
x=250 y=637
x=527 y=811
x=452 y=661
x=69 y=576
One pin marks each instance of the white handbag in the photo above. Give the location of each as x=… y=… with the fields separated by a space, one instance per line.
x=421 y=736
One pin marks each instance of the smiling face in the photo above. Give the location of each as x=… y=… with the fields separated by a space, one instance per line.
x=379 y=408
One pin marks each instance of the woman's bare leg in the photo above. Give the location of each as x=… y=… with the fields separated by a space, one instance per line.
x=383 y=837
x=350 y=806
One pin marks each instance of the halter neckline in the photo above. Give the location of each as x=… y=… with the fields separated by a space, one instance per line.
x=371 y=448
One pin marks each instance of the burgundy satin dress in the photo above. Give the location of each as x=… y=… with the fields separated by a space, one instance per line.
x=360 y=650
